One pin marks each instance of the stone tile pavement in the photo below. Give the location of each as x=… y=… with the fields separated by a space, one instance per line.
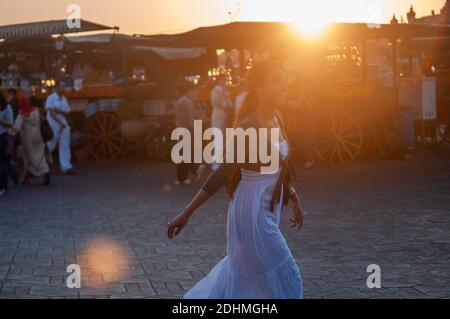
x=110 y=219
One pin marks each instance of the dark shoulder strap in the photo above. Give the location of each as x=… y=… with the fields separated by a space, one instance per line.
x=279 y=117
x=249 y=121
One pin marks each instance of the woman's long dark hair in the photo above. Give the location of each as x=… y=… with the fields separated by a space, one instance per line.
x=257 y=77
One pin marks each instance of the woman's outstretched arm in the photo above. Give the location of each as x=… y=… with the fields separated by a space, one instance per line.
x=215 y=181
x=297 y=209
x=176 y=225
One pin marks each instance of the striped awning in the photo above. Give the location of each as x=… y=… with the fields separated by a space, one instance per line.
x=47 y=28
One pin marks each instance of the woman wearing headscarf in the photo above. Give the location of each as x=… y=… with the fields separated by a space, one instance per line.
x=28 y=123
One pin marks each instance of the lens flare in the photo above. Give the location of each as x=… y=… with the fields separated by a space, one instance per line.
x=103 y=261
x=310 y=29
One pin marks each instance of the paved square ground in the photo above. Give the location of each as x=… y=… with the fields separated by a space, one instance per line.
x=111 y=218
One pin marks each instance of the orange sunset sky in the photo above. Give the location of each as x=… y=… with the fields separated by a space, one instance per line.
x=171 y=16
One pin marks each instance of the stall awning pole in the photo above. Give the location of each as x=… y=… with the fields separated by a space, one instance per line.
x=242 y=64
x=125 y=64
x=410 y=55
x=364 y=59
x=394 y=60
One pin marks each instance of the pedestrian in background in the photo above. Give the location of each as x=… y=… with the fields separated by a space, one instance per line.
x=28 y=124
x=240 y=98
x=57 y=107
x=221 y=103
x=6 y=121
x=185 y=117
x=13 y=101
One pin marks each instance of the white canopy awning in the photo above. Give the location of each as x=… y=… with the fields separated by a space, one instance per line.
x=95 y=38
x=47 y=28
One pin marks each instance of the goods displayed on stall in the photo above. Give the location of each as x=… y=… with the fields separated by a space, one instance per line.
x=11 y=76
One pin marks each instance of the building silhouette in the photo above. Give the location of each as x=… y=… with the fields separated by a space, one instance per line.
x=442 y=18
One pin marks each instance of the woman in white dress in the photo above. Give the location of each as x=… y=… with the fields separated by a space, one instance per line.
x=259 y=264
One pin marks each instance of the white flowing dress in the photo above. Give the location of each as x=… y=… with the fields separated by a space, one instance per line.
x=259 y=264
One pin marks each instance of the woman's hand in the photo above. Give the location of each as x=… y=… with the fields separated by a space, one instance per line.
x=176 y=225
x=299 y=215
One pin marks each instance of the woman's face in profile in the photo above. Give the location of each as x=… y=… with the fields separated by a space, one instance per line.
x=275 y=89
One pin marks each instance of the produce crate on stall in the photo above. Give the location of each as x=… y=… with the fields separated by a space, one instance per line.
x=89 y=92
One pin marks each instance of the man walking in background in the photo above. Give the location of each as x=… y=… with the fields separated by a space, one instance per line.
x=221 y=104
x=57 y=107
x=185 y=117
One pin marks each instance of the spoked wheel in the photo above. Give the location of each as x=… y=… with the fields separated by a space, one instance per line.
x=104 y=137
x=381 y=144
x=442 y=128
x=339 y=139
x=434 y=133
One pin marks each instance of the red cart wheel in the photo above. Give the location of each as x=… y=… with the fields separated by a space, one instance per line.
x=104 y=137
x=339 y=139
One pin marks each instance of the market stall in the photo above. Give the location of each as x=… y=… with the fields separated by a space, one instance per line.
x=119 y=86
x=359 y=100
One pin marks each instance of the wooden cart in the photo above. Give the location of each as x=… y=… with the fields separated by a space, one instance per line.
x=94 y=113
x=356 y=119
x=108 y=137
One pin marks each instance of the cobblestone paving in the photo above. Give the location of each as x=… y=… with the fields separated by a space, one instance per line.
x=110 y=219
